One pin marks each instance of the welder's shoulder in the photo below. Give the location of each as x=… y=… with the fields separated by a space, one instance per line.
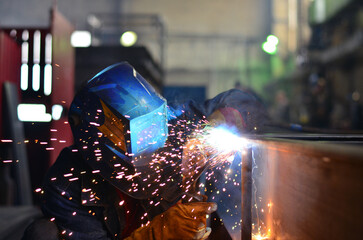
x=69 y=156
x=68 y=160
x=234 y=98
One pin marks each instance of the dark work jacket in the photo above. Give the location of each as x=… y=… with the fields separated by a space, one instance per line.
x=82 y=204
x=86 y=206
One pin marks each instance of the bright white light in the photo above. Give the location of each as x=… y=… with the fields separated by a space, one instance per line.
x=272 y=39
x=24 y=77
x=25 y=35
x=128 y=38
x=269 y=47
x=224 y=140
x=57 y=111
x=36 y=47
x=36 y=77
x=24 y=52
x=47 y=79
x=33 y=113
x=81 y=39
x=48 y=49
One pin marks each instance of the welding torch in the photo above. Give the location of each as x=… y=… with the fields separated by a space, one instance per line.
x=194 y=163
x=214 y=144
x=211 y=147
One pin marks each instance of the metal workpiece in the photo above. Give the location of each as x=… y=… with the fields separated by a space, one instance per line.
x=299 y=189
x=246 y=204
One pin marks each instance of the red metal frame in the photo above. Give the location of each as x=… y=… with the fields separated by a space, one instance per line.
x=57 y=134
x=63 y=80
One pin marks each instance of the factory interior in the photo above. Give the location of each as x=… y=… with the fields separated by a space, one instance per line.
x=297 y=175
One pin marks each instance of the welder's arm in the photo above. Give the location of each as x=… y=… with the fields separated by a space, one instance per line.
x=62 y=202
x=181 y=221
x=239 y=108
x=73 y=220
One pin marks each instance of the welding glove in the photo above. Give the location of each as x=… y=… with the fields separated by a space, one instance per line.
x=181 y=221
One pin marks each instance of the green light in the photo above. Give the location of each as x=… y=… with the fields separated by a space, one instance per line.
x=270 y=46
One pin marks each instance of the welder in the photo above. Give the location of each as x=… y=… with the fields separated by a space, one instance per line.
x=122 y=178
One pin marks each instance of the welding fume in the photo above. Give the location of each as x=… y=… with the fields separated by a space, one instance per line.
x=132 y=172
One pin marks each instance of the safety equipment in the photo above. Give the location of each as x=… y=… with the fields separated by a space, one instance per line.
x=181 y=221
x=118 y=115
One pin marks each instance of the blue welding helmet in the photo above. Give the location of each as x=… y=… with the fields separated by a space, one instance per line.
x=117 y=117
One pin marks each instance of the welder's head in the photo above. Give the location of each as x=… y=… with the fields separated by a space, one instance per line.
x=116 y=117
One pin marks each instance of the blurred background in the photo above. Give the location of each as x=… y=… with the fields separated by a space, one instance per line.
x=303 y=58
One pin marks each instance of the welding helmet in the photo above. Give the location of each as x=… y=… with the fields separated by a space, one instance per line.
x=116 y=117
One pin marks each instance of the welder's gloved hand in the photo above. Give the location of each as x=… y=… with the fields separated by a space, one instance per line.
x=182 y=221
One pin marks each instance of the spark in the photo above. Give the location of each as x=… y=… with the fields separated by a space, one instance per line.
x=218 y=144
x=260 y=236
x=215 y=147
